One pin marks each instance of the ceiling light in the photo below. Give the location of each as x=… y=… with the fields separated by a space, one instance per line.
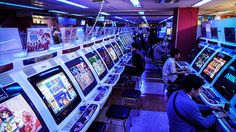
x=76 y=14
x=118 y=17
x=104 y=13
x=72 y=3
x=141 y=13
x=22 y=6
x=201 y=3
x=59 y=12
x=135 y=3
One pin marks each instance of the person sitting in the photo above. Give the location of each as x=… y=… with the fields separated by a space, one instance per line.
x=136 y=67
x=169 y=71
x=160 y=52
x=184 y=113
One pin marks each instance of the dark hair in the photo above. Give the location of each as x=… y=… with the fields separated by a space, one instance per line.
x=135 y=45
x=192 y=81
x=174 y=52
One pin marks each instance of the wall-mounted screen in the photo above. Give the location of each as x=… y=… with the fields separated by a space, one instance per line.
x=83 y=75
x=112 y=53
x=226 y=83
x=117 y=49
x=57 y=92
x=214 y=33
x=106 y=57
x=230 y=35
x=214 y=66
x=194 y=53
x=169 y=31
x=17 y=112
x=97 y=64
x=66 y=21
x=201 y=60
x=82 y=22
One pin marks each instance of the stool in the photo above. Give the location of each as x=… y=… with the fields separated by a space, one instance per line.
x=97 y=127
x=119 y=112
x=132 y=95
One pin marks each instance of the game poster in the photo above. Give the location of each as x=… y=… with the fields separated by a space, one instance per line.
x=38 y=39
x=17 y=116
x=69 y=34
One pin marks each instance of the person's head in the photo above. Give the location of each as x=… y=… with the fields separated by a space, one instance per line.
x=134 y=46
x=192 y=84
x=175 y=53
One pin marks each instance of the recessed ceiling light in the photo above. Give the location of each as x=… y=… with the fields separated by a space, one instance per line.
x=72 y=3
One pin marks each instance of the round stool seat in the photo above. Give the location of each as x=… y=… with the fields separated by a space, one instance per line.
x=118 y=112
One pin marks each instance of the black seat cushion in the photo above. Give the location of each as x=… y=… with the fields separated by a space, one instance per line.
x=97 y=127
x=131 y=94
x=118 y=112
x=123 y=80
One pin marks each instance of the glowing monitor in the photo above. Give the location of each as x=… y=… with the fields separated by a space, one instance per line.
x=214 y=66
x=201 y=60
x=194 y=53
x=17 y=112
x=226 y=83
x=97 y=64
x=83 y=75
x=117 y=49
x=169 y=31
x=112 y=53
x=57 y=92
x=106 y=57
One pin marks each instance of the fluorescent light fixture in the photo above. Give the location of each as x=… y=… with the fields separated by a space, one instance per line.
x=72 y=3
x=104 y=13
x=59 y=12
x=201 y=3
x=118 y=17
x=135 y=3
x=126 y=20
x=22 y=6
x=76 y=14
x=141 y=13
x=223 y=12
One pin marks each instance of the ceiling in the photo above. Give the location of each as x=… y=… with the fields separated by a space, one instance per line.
x=154 y=10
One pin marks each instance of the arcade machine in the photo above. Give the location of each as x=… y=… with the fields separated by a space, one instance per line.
x=56 y=97
x=220 y=89
x=99 y=67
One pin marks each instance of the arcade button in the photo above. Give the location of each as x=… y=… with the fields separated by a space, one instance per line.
x=82 y=108
x=99 y=88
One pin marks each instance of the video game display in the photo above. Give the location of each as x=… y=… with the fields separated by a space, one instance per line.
x=112 y=53
x=83 y=75
x=17 y=112
x=214 y=66
x=226 y=83
x=229 y=34
x=106 y=57
x=201 y=60
x=117 y=49
x=57 y=92
x=97 y=64
x=194 y=53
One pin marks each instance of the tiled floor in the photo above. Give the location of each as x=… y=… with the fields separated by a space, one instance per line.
x=152 y=117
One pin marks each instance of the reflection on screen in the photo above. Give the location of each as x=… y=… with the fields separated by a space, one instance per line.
x=106 y=57
x=82 y=74
x=226 y=83
x=97 y=64
x=112 y=53
x=117 y=49
x=214 y=66
x=17 y=115
x=57 y=91
x=201 y=60
x=194 y=52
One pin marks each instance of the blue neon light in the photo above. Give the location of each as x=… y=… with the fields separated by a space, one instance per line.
x=59 y=12
x=22 y=6
x=72 y=3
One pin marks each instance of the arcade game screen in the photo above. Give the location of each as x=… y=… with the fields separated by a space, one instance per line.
x=83 y=75
x=194 y=53
x=112 y=53
x=214 y=66
x=226 y=83
x=97 y=64
x=121 y=45
x=229 y=35
x=106 y=57
x=201 y=60
x=117 y=49
x=169 y=31
x=17 y=112
x=57 y=92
